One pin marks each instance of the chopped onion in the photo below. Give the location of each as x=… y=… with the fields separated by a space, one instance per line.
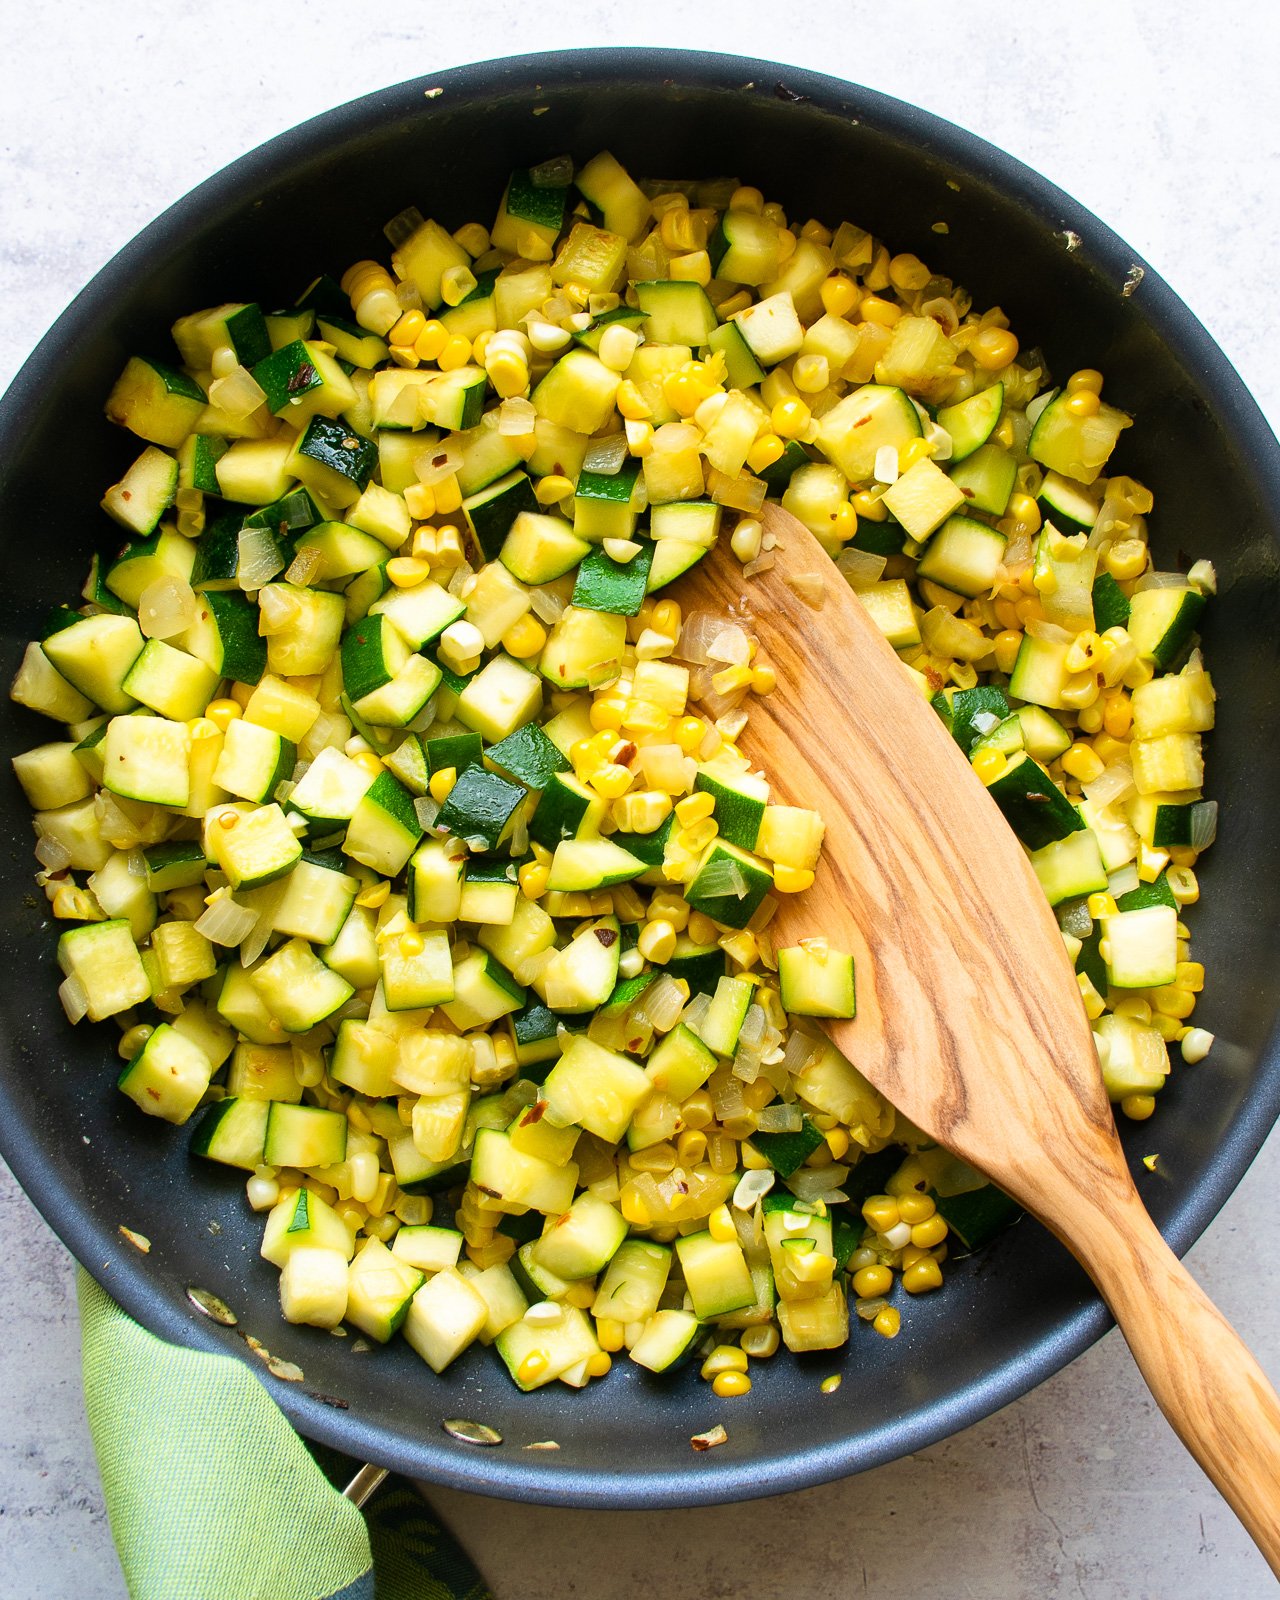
x=939 y=441
x=115 y=824
x=746 y=1065
x=258 y=937
x=743 y=493
x=885 y=466
x=727 y=1098
x=780 y=1118
x=516 y=417
x=52 y=853
x=730 y=645
x=660 y=1005
x=427 y=810
x=1203 y=576
x=1204 y=824
x=695 y=1013
x=811 y=587
x=752 y=1187
x=1074 y=918
x=463 y=581
x=555 y=173
x=258 y=560
x=698 y=632
x=731 y=724
x=605 y=455
x=720 y=877
x=403 y=226
x=760 y=564
x=330 y=731
x=547 y=606
x=802 y=1049
x=818 y=1183
x=1160 y=580
x=1122 y=880
x=166 y=607
x=305 y=566
x=1050 y=632
x=861 y=568
x=1115 y=784
x=226 y=923
x=238 y=393
x=441 y=460
x=74 y=997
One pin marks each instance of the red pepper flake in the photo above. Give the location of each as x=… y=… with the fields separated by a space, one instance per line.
x=606 y=936
x=303 y=378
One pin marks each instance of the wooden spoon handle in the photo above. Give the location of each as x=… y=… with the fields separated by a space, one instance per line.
x=1216 y=1396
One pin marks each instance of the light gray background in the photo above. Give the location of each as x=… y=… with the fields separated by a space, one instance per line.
x=1160 y=115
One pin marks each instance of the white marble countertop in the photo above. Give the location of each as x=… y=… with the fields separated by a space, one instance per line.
x=1160 y=118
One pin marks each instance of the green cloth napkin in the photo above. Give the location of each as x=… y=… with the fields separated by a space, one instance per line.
x=213 y=1496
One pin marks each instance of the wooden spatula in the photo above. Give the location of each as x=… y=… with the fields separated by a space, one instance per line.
x=968 y=1015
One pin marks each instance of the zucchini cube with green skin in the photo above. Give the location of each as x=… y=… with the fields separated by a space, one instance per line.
x=818 y=1324
x=1137 y=1058
x=987 y=478
x=145 y=492
x=40 y=687
x=333 y=460
x=590 y=256
x=171 y=682
x=922 y=499
x=671 y=560
x=582 y=865
x=304 y=1136
x=364 y=1059
x=380 y=1289
x=968 y=713
x=435 y=882
x=103 y=960
x=729 y=884
x=603 y=503
x=255 y=472
x=421 y=614
x=263 y=1072
x=540 y=548
x=720 y=1028
x=225 y=637
x=53 y=775
x=489 y=893
x=615 y=587
x=787 y=1152
x=242 y=1007
x=492 y=511
x=410 y=982
x=233 y=1132
x=94 y=656
x=254 y=761
x=300 y=1220
x=893 y=611
x=500 y=698
x=667 y=1339
x=430 y=1249
x=632 y=1285
x=315 y=902
x=578 y=393
x=182 y=953
x=568 y=810
x=302 y=381
x=584 y=649
x=445 y=1315
x=607 y=185
x=159 y=403
x=528 y=756
x=816 y=983
x=864 y=422
x=582 y=1241
x=531 y=1133
x=740 y=801
x=582 y=975
x=1161 y=622
x=165 y=554
x=329 y=791
x=145 y=758
x=384 y=829
x=1070 y=867
x=425 y=256
x=972 y=421
x=168 y=1076
x=1076 y=447
x=259 y=848
x=964 y=556
x=594 y=1088
x=518 y=1180
x=715 y=1273
x=680 y=1064
x=503 y=1297
x=480 y=807
x=529 y=207
x=535 y=1033
x=483 y=991
x=566 y=1345
x=1140 y=947
x=300 y=990
x=1033 y=805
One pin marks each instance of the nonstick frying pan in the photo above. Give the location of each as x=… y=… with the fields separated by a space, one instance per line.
x=315 y=199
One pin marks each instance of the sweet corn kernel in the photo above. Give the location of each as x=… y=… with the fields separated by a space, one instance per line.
x=1006 y=646
x=880 y=1212
x=1087 y=378
x=657 y=941
x=913 y=1206
x=837 y=1141
x=688 y=733
x=1083 y=403
x=994 y=348
x=532 y=878
x=421 y=503
x=729 y=1385
x=989 y=764
x=431 y=341
x=448 y=495
x=1081 y=762
x=1117 y=714
x=839 y=295
x=456 y=353
x=524 y=638
x=692 y=267
x=441 y=783
x=888 y=1323
x=761 y=1341
x=922 y=1276
x=533 y=1366
x=549 y=491
x=811 y=374
x=223 y=713
x=610 y=1334
x=694 y=808
x=792 y=880
x=746 y=199
x=456 y=283
x=932 y=1231
x=599 y=1364
x=1125 y=559
x=612 y=780
x=508 y=371
x=409 y=328
x=764 y=680
x=406 y=572
x=767 y=449
x=869 y=1283
x=883 y=313
x=1138 y=1107
x=725 y=1358
x=374 y=896
x=410 y=945
x=790 y=418
x=369 y=760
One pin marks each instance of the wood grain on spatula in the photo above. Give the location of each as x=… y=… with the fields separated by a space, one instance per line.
x=969 y=1018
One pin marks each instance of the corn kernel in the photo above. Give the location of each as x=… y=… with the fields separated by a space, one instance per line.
x=880 y=1212
x=724 y=1358
x=431 y=341
x=532 y=878
x=764 y=680
x=728 y=1385
x=369 y=760
x=456 y=353
x=1117 y=714
x=883 y=313
x=701 y=928
x=508 y=371
x=989 y=764
x=888 y=1322
x=448 y=495
x=869 y=1283
x=693 y=267
x=694 y=808
x=410 y=945
x=1138 y=1107
x=223 y=712
x=922 y=1276
x=657 y=941
x=1087 y=379
x=441 y=783
x=790 y=418
x=612 y=780
x=1083 y=403
x=1081 y=762
x=746 y=199
x=408 y=329
x=811 y=374
x=932 y=1231
x=994 y=348
x=406 y=572
x=374 y=896
x=839 y=295
x=456 y=283
x=1125 y=559
x=549 y=491
x=792 y=880
x=421 y=503
x=533 y=1366
x=767 y=449
x=524 y=638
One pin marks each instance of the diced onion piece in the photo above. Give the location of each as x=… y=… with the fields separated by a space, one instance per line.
x=515 y=417
x=1204 y=824
x=547 y=606
x=861 y=568
x=441 y=461
x=305 y=566
x=258 y=561
x=780 y=1118
x=403 y=226
x=1160 y=580
x=1040 y=402
x=330 y=730
x=605 y=455
x=226 y=923
x=743 y=493
x=752 y=1187
x=697 y=633
x=810 y=586
x=660 y=1005
x=166 y=607
x=1114 y=785
x=75 y=999
x=730 y=645
x=695 y=1013
x=555 y=173
x=820 y=1183
x=1049 y=632
x=886 y=464
x=51 y=853
x=721 y=877
x=1074 y=918
x=760 y=564
x=427 y=810
x=1123 y=879
x=238 y=393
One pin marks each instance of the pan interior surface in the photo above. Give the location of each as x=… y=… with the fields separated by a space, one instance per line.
x=315 y=200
